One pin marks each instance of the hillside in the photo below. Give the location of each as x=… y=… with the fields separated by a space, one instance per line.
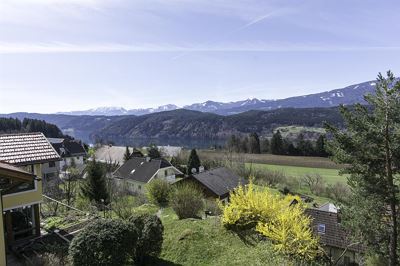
x=175 y=127
x=191 y=125
x=14 y=125
x=206 y=242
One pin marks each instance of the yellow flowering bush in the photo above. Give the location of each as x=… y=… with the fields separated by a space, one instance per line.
x=274 y=217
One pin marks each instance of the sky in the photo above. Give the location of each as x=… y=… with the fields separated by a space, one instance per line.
x=65 y=55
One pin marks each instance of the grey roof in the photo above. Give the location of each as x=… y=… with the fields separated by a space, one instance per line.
x=108 y=153
x=219 y=180
x=26 y=149
x=139 y=169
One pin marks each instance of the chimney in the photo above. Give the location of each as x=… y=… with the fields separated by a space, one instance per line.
x=201 y=169
x=148 y=159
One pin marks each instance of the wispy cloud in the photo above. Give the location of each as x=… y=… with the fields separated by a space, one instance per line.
x=58 y=47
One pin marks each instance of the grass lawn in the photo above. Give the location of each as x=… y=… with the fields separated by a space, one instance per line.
x=330 y=176
x=206 y=242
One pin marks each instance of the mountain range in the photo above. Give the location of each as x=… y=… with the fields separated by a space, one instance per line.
x=203 y=124
x=349 y=95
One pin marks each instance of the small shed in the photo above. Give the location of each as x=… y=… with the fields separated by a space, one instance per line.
x=216 y=183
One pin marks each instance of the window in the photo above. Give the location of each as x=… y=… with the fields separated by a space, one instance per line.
x=321 y=228
x=52 y=164
x=78 y=158
x=166 y=173
x=140 y=187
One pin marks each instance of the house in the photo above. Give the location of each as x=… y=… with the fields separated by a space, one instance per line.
x=333 y=237
x=216 y=183
x=69 y=150
x=138 y=171
x=108 y=153
x=21 y=160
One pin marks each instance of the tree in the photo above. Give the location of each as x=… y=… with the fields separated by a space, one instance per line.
x=158 y=192
x=95 y=188
x=320 y=148
x=370 y=147
x=186 y=200
x=153 y=152
x=277 y=143
x=265 y=147
x=127 y=154
x=193 y=162
x=70 y=181
x=104 y=242
x=254 y=143
x=233 y=143
x=314 y=182
x=244 y=145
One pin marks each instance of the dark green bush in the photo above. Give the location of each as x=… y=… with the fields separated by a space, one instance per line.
x=103 y=242
x=186 y=200
x=150 y=238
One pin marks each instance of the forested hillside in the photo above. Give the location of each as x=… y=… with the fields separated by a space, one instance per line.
x=14 y=125
x=186 y=124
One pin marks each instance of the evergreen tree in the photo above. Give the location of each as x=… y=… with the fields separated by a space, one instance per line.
x=153 y=152
x=193 y=162
x=244 y=145
x=233 y=143
x=94 y=188
x=265 y=145
x=320 y=149
x=370 y=147
x=254 y=143
x=301 y=144
x=127 y=154
x=277 y=143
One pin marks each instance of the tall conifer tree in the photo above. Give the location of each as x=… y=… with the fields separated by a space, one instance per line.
x=370 y=146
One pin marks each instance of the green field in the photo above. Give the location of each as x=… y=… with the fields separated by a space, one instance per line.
x=302 y=161
x=330 y=176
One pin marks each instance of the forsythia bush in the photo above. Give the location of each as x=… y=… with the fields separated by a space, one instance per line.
x=272 y=216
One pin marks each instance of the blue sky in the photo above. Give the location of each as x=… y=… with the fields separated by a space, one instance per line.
x=78 y=54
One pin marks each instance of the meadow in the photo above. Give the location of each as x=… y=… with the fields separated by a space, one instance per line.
x=330 y=176
x=271 y=159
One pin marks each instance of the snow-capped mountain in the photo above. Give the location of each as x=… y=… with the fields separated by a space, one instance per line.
x=109 y=111
x=162 y=108
x=348 y=95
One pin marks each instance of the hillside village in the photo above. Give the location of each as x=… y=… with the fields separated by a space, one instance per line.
x=269 y=200
x=199 y=133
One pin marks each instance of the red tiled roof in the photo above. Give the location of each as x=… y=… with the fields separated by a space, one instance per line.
x=26 y=148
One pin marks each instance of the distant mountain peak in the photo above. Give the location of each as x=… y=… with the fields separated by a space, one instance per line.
x=348 y=95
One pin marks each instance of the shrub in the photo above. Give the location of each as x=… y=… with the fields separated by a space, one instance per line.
x=186 y=200
x=212 y=206
x=315 y=183
x=103 y=242
x=269 y=177
x=123 y=206
x=339 y=192
x=150 y=237
x=53 y=223
x=158 y=191
x=274 y=217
